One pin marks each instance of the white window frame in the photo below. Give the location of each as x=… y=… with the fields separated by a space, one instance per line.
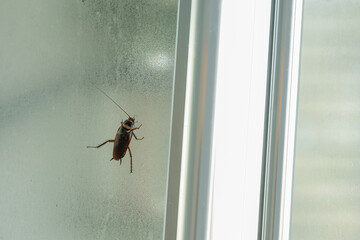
x=231 y=157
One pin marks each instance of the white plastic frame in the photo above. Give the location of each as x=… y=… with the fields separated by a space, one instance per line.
x=230 y=171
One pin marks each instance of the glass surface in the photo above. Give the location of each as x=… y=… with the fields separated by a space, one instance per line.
x=326 y=197
x=53 y=55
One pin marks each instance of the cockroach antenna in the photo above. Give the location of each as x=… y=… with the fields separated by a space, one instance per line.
x=112 y=100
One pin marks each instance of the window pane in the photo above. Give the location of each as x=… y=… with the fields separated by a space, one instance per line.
x=326 y=193
x=53 y=55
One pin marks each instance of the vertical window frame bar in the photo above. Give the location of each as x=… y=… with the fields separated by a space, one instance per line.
x=282 y=111
x=191 y=155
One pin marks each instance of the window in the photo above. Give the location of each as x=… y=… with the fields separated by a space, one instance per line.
x=53 y=56
x=326 y=181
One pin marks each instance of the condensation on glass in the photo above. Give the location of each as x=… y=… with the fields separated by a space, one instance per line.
x=326 y=193
x=52 y=55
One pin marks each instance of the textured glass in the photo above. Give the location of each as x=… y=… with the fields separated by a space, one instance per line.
x=326 y=197
x=53 y=55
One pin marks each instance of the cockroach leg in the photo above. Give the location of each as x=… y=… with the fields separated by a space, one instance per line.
x=130 y=160
x=138 y=138
x=101 y=144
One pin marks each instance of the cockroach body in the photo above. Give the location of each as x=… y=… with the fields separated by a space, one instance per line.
x=122 y=138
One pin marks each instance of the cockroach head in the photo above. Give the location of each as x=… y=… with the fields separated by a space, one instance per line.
x=129 y=122
x=132 y=120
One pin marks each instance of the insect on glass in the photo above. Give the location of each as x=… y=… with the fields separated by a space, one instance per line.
x=123 y=136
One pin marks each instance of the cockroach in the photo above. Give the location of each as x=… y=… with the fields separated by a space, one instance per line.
x=123 y=136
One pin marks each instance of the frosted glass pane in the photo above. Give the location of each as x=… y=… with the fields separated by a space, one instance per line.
x=326 y=197
x=52 y=55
